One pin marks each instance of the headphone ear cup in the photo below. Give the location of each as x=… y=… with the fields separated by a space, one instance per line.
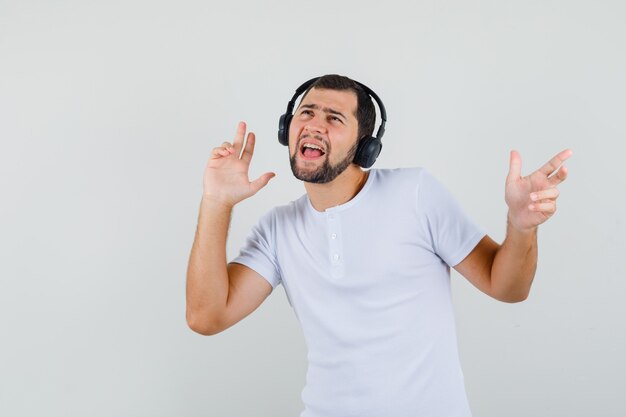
x=283 y=128
x=368 y=150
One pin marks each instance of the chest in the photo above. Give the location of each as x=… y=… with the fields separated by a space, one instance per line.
x=357 y=252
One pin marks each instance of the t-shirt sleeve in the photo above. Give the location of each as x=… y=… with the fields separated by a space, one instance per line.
x=259 y=251
x=453 y=233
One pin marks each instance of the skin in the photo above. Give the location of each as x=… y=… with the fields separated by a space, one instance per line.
x=220 y=294
x=338 y=138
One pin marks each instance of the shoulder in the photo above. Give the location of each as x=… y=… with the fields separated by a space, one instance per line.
x=401 y=177
x=415 y=184
x=285 y=213
x=410 y=173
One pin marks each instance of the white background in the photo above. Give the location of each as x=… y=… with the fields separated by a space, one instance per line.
x=108 y=112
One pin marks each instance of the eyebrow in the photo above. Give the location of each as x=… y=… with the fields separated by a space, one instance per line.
x=325 y=110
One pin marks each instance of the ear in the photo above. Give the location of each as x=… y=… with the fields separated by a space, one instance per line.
x=367 y=151
x=283 y=128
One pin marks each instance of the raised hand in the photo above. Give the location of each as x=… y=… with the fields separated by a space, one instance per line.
x=226 y=178
x=532 y=199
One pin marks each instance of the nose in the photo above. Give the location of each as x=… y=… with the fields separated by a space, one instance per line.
x=315 y=126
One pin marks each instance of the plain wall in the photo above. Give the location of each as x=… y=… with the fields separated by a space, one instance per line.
x=108 y=113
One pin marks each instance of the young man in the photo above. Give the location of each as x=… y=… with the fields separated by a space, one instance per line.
x=364 y=258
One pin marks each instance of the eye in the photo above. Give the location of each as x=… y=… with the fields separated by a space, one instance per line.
x=335 y=119
x=307 y=112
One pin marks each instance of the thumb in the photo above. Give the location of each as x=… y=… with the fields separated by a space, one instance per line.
x=262 y=181
x=515 y=167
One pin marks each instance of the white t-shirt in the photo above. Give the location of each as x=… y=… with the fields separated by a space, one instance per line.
x=369 y=281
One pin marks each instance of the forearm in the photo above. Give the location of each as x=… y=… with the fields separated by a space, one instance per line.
x=514 y=265
x=207 y=275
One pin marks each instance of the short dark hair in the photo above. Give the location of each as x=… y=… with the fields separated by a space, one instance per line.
x=365 y=110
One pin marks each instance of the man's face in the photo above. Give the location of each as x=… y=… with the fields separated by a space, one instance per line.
x=323 y=135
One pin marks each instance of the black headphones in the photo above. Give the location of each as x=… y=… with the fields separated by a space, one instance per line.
x=369 y=146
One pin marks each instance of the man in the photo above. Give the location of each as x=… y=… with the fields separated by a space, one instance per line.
x=364 y=258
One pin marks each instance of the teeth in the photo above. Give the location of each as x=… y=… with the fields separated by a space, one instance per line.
x=309 y=145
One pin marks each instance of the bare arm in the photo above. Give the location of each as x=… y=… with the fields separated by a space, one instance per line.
x=218 y=295
x=506 y=271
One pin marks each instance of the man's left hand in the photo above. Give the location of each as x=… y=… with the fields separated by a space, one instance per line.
x=532 y=199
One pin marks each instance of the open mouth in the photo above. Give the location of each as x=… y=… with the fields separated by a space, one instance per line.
x=311 y=151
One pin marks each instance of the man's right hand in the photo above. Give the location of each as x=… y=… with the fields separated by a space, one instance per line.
x=226 y=178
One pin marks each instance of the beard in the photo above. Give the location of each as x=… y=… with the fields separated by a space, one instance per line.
x=326 y=172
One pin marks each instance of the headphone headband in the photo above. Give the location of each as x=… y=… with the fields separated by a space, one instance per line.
x=381 y=107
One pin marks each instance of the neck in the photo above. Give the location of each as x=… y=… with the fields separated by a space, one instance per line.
x=339 y=191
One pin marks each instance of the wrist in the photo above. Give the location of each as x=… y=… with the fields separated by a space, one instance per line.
x=521 y=229
x=210 y=202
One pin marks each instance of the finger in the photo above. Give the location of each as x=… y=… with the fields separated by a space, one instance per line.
x=552 y=165
x=550 y=193
x=515 y=167
x=241 y=132
x=221 y=152
x=262 y=181
x=249 y=149
x=225 y=150
x=548 y=207
x=559 y=176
